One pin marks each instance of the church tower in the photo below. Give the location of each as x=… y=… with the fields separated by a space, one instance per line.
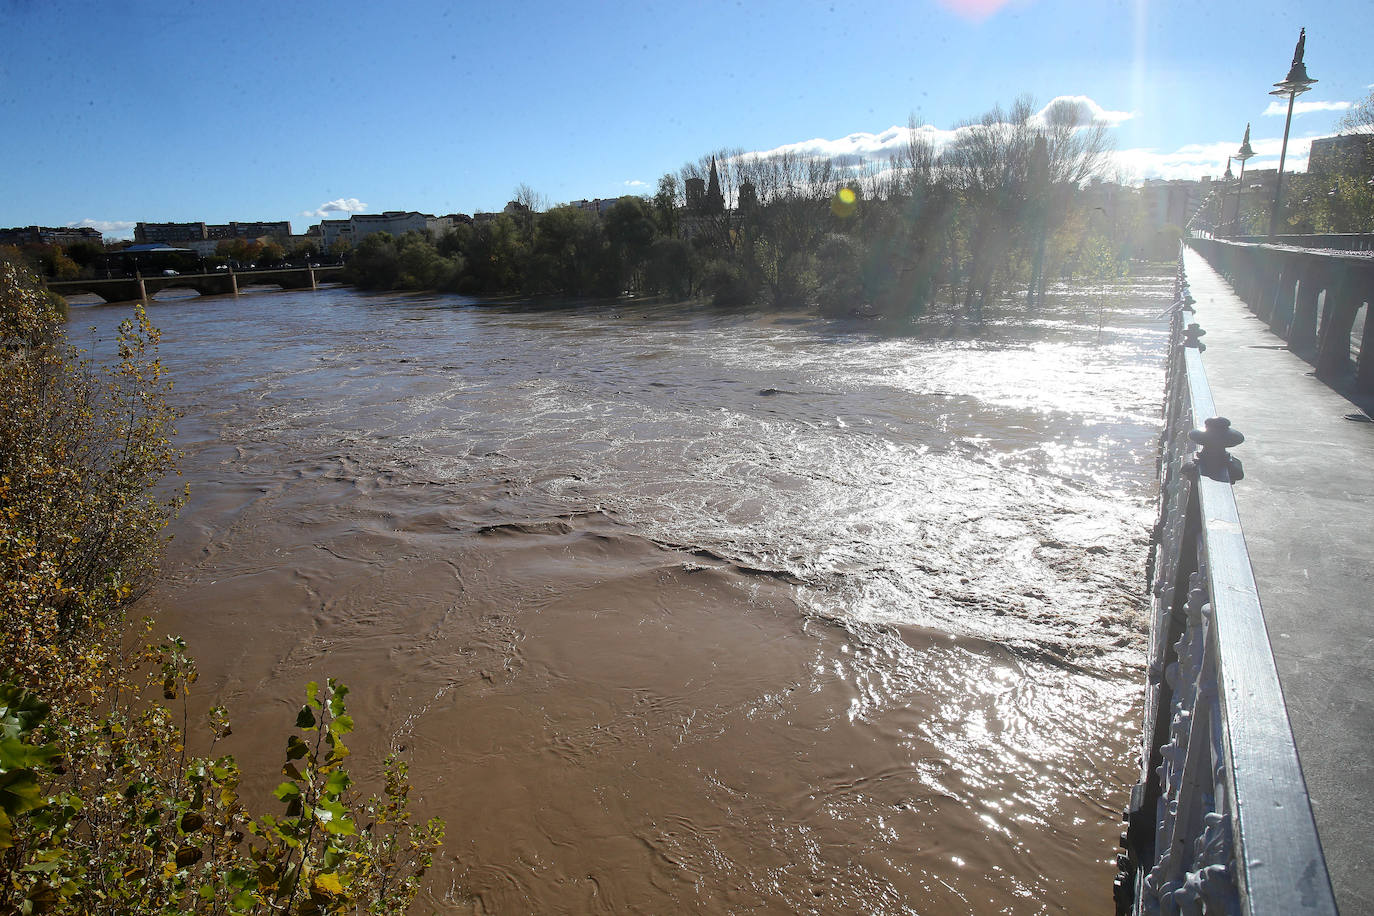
x=715 y=201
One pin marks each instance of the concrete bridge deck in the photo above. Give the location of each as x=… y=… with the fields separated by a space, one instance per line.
x=1307 y=507
x=218 y=283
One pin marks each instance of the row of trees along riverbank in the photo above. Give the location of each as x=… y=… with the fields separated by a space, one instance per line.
x=1011 y=204
x=89 y=261
x=105 y=805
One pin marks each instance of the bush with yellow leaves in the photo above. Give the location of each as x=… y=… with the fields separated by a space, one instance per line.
x=102 y=808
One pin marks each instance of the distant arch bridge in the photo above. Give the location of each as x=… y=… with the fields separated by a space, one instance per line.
x=217 y=283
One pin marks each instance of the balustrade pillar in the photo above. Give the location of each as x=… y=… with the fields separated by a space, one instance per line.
x=1364 y=370
x=1281 y=306
x=1302 y=330
x=1333 y=335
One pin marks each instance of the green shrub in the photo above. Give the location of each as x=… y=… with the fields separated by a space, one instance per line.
x=102 y=808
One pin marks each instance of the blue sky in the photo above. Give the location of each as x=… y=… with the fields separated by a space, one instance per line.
x=117 y=112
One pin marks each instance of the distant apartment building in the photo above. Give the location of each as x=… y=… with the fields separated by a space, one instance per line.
x=49 y=235
x=1346 y=154
x=1260 y=181
x=168 y=232
x=396 y=222
x=332 y=230
x=598 y=205
x=258 y=230
x=1173 y=203
x=181 y=233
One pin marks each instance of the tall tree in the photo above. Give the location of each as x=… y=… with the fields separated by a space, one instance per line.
x=630 y=230
x=1360 y=119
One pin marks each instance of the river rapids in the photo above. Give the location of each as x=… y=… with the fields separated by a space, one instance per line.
x=677 y=610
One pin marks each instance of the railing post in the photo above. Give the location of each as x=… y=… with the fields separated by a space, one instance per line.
x=1219 y=821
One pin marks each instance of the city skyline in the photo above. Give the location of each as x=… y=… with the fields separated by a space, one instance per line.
x=156 y=114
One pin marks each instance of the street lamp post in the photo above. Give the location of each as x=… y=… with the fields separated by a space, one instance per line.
x=1244 y=153
x=1226 y=180
x=1295 y=84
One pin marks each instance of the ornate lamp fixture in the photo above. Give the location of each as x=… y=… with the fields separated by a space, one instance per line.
x=1295 y=84
x=1245 y=152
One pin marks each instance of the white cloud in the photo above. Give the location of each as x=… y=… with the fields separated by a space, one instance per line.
x=114 y=228
x=342 y=205
x=852 y=149
x=861 y=145
x=1197 y=159
x=1087 y=109
x=636 y=183
x=1187 y=162
x=1280 y=109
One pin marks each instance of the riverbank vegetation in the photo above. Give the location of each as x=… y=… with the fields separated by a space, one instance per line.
x=1011 y=204
x=105 y=807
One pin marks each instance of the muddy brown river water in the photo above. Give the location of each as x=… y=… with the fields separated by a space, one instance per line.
x=674 y=610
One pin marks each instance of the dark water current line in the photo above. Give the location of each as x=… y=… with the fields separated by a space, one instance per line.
x=682 y=611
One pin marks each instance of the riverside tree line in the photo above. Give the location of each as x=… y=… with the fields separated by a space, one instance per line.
x=1005 y=207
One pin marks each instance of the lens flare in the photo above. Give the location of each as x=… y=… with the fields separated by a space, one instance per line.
x=844 y=202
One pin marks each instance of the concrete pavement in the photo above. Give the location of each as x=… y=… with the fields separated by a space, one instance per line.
x=1307 y=507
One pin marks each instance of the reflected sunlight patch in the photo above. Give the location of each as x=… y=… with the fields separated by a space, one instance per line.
x=973 y=10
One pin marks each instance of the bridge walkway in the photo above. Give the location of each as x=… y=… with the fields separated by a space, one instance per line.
x=1307 y=507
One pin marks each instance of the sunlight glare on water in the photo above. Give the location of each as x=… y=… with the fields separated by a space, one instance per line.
x=681 y=610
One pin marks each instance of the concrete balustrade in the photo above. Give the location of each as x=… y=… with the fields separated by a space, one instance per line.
x=1311 y=298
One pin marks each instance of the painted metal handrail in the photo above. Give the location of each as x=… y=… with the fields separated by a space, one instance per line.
x=1220 y=821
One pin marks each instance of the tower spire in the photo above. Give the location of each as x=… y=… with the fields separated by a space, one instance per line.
x=715 y=200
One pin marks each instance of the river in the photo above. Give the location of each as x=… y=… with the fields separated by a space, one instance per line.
x=676 y=610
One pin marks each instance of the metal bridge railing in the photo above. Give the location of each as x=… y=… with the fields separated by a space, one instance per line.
x=1220 y=821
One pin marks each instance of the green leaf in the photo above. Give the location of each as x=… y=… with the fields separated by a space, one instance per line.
x=305 y=718
x=341 y=827
x=337 y=692
x=16 y=755
x=341 y=725
x=19 y=792
x=332 y=817
x=287 y=790
x=337 y=782
x=312 y=692
x=240 y=878
x=296 y=748
x=41 y=867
